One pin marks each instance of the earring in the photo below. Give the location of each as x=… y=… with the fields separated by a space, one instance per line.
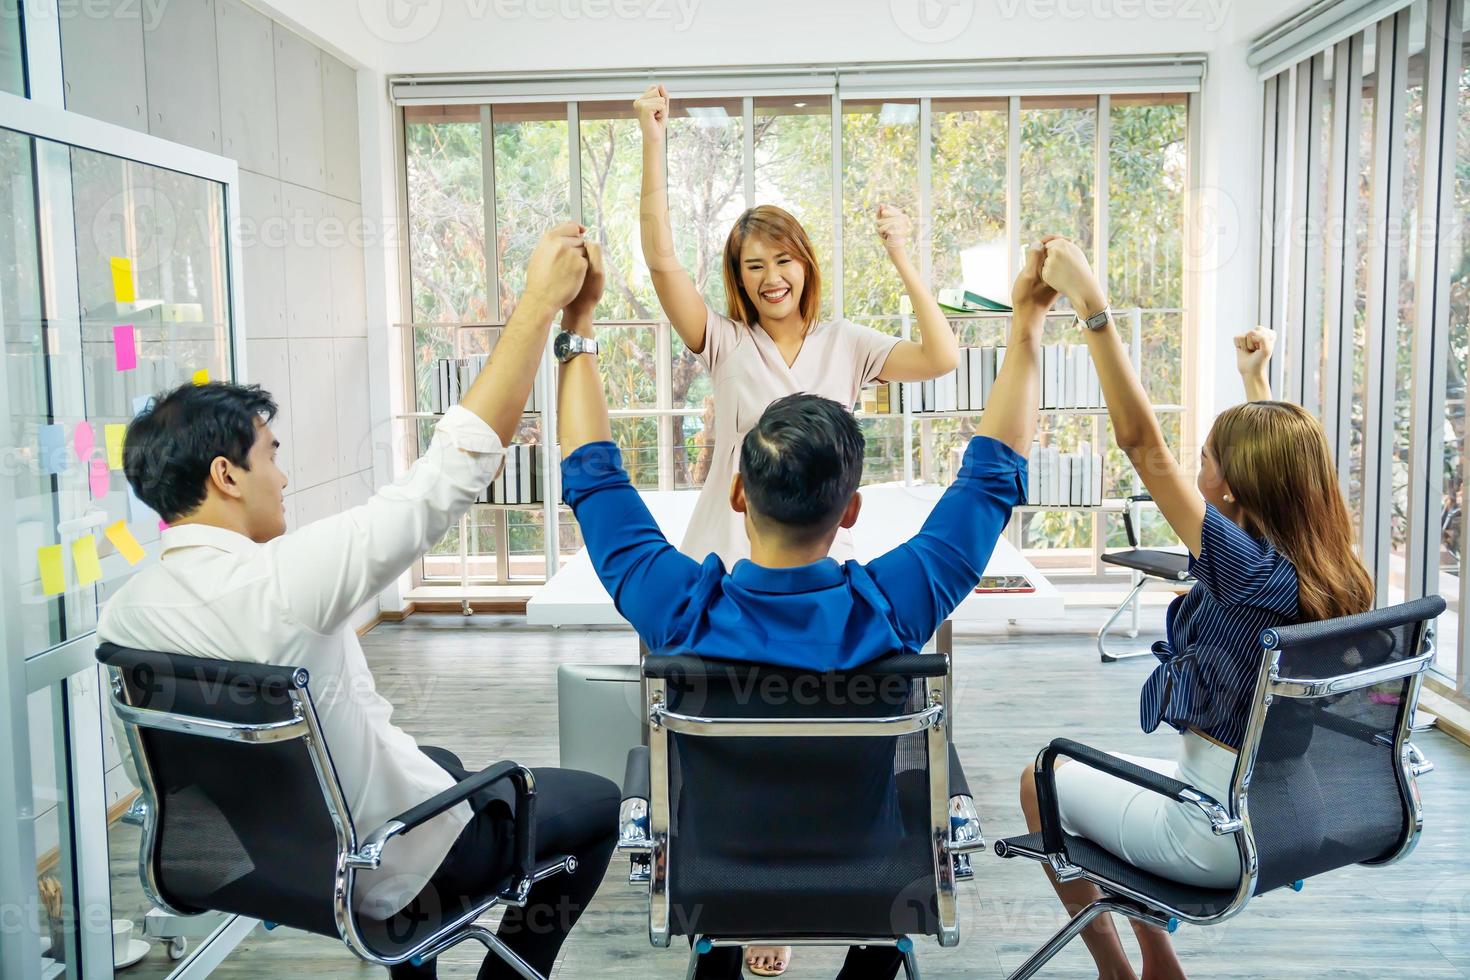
x=1229 y=499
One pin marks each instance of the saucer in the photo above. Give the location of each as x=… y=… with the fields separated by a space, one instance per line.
x=137 y=949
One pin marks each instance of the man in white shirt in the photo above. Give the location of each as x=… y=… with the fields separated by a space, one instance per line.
x=231 y=584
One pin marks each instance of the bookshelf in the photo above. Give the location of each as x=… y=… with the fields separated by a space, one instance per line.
x=470 y=345
x=918 y=427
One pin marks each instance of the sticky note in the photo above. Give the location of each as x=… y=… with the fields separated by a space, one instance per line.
x=124 y=347
x=162 y=524
x=141 y=404
x=115 y=433
x=122 y=279
x=122 y=539
x=138 y=512
x=84 y=557
x=83 y=440
x=52 y=441
x=53 y=572
x=201 y=376
x=99 y=477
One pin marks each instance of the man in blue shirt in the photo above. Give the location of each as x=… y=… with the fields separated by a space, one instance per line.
x=789 y=604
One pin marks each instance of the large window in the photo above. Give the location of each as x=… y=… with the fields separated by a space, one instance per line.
x=980 y=176
x=1367 y=179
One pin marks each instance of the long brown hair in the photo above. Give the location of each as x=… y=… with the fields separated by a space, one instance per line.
x=1275 y=458
x=785 y=232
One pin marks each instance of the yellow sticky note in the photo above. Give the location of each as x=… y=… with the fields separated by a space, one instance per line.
x=84 y=557
x=122 y=279
x=53 y=571
x=122 y=539
x=115 y=433
x=201 y=376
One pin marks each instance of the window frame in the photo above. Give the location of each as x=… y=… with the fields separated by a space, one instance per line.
x=869 y=86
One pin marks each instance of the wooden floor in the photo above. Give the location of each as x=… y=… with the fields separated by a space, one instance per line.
x=485 y=686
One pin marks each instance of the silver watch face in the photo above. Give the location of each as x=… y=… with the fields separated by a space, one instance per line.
x=568 y=345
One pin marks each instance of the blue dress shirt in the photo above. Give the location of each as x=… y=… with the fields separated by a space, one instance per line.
x=823 y=616
x=1208 y=665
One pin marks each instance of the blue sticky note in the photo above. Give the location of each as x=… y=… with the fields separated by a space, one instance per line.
x=52 y=439
x=141 y=404
x=138 y=512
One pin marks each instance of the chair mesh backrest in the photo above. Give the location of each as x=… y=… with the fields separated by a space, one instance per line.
x=239 y=828
x=1327 y=790
x=799 y=835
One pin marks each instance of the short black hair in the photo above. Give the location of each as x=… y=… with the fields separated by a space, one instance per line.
x=171 y=443
x=802 y=463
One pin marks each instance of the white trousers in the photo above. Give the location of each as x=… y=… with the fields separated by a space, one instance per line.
x=1172 y=840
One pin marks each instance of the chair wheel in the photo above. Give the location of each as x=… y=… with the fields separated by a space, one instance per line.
x=177 y=947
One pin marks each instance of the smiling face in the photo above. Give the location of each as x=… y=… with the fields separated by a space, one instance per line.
x=772 y=278
x=769 y=270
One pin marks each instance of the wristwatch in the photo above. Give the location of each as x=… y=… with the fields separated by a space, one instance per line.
x=1098 y=320
x=569 y=345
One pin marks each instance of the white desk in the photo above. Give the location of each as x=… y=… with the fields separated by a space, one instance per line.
x=891 y=514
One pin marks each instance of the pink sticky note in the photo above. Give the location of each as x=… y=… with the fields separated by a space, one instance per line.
x=124 y=347
x=82 y=440
x=163 y=525
x=100 y=477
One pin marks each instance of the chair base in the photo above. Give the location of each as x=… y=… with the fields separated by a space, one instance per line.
x=1080 y=921
x=1129 y=602
x=491 y=942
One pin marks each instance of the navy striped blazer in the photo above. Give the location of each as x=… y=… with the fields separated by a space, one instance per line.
x=1208 y=664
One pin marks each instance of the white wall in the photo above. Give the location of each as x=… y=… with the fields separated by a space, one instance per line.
x=224 y=77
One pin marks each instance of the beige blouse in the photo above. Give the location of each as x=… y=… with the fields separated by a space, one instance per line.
x=747 y=371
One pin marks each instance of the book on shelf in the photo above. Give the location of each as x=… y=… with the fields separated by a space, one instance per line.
x=454 y=375
x=519 y=480
x=959 y=300
x=1058 y=479
x=1068 y=381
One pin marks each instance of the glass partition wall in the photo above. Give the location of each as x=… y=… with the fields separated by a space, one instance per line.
x=981 y=175
x=1364 y=274
x=115 y=283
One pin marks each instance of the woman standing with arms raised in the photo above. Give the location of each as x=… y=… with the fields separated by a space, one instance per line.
x=770 y=342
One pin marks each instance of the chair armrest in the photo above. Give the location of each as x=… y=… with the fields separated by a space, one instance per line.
x=1046 y=789
x=634 y=832
x=635 y=775
x=958 y=784
x=370 y=852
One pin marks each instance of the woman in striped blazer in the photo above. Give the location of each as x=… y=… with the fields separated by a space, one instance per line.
x=1270 y=542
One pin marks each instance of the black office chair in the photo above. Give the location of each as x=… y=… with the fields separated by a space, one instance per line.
x=245 y=815
x=765 y=803
x=1325 y=777
x=1145 y=565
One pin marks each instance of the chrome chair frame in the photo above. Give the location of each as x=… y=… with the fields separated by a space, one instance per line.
x=351 y=857
x=1234 y=821
x=1140 y=580
x=955 y=833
